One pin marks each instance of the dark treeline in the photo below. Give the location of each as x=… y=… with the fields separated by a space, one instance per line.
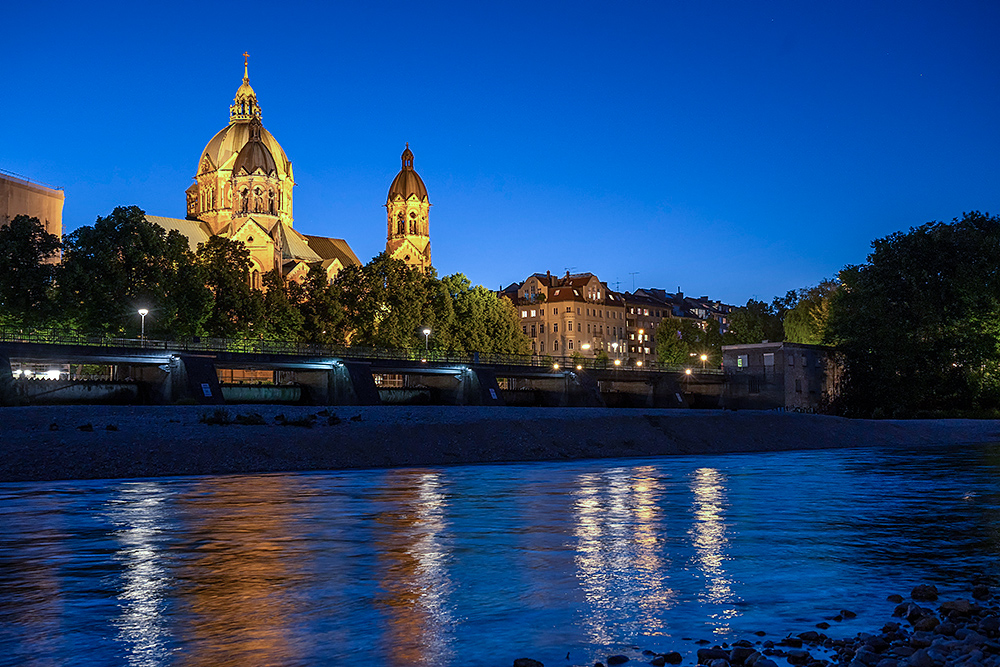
x=916 y=327
x=121 y=263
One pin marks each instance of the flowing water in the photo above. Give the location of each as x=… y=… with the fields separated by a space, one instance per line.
x=478 y=565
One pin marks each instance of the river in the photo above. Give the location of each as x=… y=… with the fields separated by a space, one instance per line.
x=479 y=565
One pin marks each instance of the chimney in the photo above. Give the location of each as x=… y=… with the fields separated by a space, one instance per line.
x=548 y=278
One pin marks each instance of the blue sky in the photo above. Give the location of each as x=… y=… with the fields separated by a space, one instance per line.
x=733 y=149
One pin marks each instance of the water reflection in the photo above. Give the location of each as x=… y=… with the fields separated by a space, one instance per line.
x=711 y=544
x=238 y=572
x=140 y=516
x=413 y=557
x=621 y=564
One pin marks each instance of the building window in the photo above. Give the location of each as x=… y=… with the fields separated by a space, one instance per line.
x=541 y=346
x=791 y=359
x=533 y=331
x=541 y=328
x=555 y=311
x=571 y=344
x=588 y=327
x=798 y=386
x=533 y=313
x=555 y=346
x=524 y=328
x=569 y=309
x=524 y=313
x=579 y=327
x=555 y=327
x=578 y=310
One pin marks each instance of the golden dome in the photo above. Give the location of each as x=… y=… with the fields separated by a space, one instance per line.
x=407 y=181
x=227 y=143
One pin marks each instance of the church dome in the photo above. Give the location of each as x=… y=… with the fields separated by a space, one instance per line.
x=255 y=155
x=407 y=181
x=222 y=150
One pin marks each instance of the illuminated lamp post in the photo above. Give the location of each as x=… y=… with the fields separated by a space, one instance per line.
x=642 y=346
x=142 y=335
x=427 y=339
x=704 y=358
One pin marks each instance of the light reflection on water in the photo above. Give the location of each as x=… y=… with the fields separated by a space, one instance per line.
x=478 y=565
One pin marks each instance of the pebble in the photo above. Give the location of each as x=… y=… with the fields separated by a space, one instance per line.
x=957 y=633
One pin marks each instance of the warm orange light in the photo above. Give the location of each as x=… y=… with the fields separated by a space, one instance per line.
x=687 y=371
x=639 y=363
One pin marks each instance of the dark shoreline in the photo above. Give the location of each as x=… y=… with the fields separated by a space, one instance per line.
x=47 y=443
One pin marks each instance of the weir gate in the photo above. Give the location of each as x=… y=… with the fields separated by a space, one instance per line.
x=214 y=372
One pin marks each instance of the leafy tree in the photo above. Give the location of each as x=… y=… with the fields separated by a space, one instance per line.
x=806 y=322
x=283 y=318
x=323 y=319
x=484 y=321
x=27 y=254
x=683 y=341
x=384 y=303
x=124 y=262
x=919 y=324
x=236 y=308
x=758 y=321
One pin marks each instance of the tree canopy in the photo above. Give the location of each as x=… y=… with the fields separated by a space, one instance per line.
x=27 y=254
x=123 y=263
x=919 y=322
x=807 y=321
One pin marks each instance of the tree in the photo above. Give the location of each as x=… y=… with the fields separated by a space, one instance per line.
x=282 y=308
x=919 y=324
x=384 y=303
x=236 y=308
x=124 y=262
x=758 y=321
x=323 y=318
x=806 y=322
x=27 y=252
x=484 y=321
x=683 y=341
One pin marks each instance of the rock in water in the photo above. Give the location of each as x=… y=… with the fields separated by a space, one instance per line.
x=527 y=662
x=617 y=659
x=980 y=592
x=674 y=658
x=924 y=592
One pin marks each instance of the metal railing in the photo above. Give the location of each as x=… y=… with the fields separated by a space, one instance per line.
x=261 y=346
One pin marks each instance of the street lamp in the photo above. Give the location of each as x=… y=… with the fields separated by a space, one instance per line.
x=427 y=339
x=142 y=314
x=704 y=358
x=642 y=345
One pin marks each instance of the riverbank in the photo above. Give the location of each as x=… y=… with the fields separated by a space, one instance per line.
x=95 y=442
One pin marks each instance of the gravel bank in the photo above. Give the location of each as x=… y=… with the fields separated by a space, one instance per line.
x=91 y=442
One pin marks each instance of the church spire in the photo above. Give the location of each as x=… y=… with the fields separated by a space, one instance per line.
x=244 y=106
x=407 y=158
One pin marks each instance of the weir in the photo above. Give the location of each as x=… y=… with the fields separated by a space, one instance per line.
x=165 y=373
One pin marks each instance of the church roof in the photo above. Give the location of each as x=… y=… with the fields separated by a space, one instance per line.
x=294 y=245
x=329 y=248
x=195 y=230
x=407 y=181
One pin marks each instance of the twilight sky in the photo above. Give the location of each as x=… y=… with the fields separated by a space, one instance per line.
x=735 y=149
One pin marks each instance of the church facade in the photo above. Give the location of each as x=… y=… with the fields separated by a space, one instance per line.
x=243 y=190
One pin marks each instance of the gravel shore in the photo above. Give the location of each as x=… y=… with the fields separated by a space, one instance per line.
x=93 y=442
x=952 y=633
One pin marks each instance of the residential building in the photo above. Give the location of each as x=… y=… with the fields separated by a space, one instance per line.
x=574 y=314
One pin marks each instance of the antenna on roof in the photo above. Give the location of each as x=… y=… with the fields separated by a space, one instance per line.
x=633 y=274
x=618 y=284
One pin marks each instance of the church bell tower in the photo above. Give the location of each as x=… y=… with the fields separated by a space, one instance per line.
x=408 y=237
